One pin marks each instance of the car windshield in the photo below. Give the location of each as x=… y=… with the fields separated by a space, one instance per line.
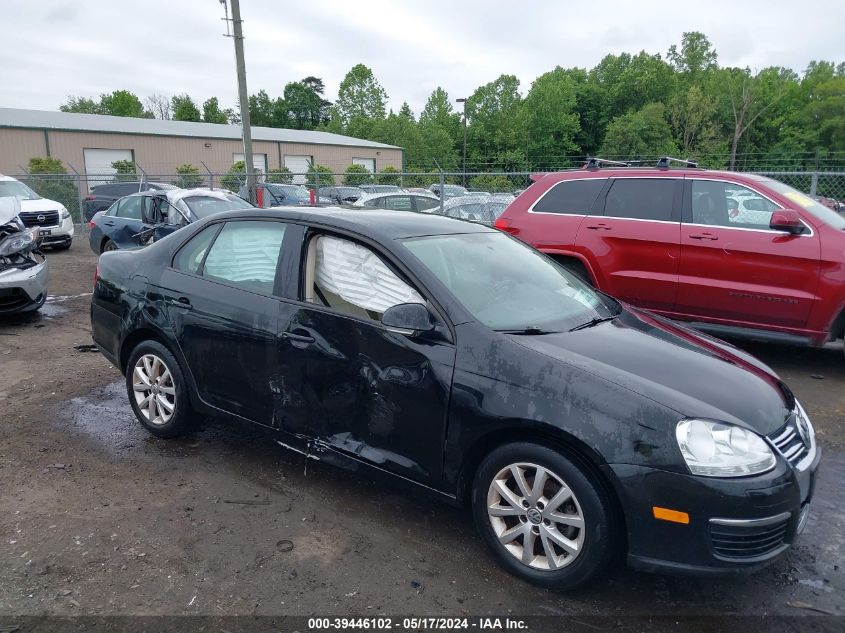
x=816 y=209
x=509 y=286
x=203 y=206
x=16 y=189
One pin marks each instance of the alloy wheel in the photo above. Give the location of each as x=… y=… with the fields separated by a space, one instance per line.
x=155 y=393
x=535 y=516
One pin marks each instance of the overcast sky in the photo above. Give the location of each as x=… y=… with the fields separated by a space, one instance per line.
x=55 y=48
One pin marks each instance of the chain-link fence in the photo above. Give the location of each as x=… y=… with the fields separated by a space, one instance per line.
x=83 y=193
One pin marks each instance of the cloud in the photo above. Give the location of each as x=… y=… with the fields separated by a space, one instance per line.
x=55 y=48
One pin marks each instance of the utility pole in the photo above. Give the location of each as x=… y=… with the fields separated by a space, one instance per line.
x=464 y=179
x=243 y=96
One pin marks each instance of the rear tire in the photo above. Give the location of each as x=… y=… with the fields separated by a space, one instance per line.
x=108 y=245
x=530 y=496
x=157 y=390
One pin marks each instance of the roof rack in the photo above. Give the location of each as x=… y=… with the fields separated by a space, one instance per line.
x=596 y=163
x=664 y=162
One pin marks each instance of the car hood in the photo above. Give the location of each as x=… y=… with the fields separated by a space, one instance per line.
x=695 y=375
x=42 y=204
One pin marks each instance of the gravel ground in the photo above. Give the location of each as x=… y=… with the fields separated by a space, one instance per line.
x=99 y=518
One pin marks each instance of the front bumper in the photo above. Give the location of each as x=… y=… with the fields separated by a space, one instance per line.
x=58 y=234
x=735 y=525
x=22 y=290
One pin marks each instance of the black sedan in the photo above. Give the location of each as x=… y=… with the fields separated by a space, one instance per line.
x=453 y=357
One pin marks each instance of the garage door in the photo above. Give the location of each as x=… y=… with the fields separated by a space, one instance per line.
x=298 y=166
x=259 y=161
x=98 y=163
x=369 y=163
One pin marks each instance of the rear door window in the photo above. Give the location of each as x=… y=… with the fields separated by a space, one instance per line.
x=641 y=198
x=571 y=197
x=246 y=255
x=422 y=203
x=130 y=208
x=719 y=203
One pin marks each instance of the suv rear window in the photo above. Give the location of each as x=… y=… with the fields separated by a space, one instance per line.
x=571 y=197
x=641 y=198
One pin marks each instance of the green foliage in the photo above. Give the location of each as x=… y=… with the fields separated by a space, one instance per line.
x=641 y=134
x=83 y=105
x=48 y=178
x=551 y=123
x=183 y=108
x=261 y=109
x=326 y=177
x=211 y=112
x=280 y=175
x=189 y=177
x=235 y=177
x=117 y=103
x=493 y=184
x=125 y=170
x=389 y=176
x=497 y=125
x=357 y=175
x=360 y=96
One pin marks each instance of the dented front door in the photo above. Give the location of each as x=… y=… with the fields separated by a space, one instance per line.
x=352 y=386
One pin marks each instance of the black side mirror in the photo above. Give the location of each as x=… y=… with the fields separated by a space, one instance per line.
x=408 y=318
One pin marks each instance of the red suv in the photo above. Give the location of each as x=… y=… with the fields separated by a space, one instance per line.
x=737 y=254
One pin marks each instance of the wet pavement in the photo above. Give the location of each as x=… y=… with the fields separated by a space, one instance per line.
x=98 y=517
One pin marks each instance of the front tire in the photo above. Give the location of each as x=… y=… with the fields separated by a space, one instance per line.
x=545 y=518
x=157 y=390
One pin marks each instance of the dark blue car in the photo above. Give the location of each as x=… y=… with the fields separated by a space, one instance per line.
x=141 y=218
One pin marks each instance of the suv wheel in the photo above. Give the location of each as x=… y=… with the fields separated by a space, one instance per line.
x=108 y=245
x=157 y=390
x=543 y=516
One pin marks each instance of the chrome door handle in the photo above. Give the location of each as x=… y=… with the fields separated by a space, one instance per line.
x=703 y=236
x=598 y=227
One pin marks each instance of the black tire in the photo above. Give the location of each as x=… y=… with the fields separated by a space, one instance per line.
x=590 y=500
x=181 y=415
x=108 y=245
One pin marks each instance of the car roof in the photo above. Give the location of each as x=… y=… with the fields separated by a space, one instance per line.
x=382 y=224
x=394 y=194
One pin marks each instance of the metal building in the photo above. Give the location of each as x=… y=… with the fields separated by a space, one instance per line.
x=90 y=143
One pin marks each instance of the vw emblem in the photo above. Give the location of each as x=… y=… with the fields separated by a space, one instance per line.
x=41 y=217
x=534 y=516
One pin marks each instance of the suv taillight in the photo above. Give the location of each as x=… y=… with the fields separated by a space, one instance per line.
x=504 y=224
x=90 y=198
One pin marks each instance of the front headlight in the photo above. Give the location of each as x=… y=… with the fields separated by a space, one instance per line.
x=19 y=242
x=717 y=449
x=64 y=214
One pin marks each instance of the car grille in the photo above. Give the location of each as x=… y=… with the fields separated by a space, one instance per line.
x=12 y=298
x=39 y=218
x=788 y=441
x=748 y=541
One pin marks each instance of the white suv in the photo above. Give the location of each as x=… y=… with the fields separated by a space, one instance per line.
x=48 y=215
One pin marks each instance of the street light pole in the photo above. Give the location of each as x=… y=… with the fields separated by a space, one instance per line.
x=243 y=96
x=464 y=177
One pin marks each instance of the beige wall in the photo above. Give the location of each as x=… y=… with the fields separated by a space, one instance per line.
x=159 y=155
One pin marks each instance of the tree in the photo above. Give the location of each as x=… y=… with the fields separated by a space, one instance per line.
x=304 y=104
x=123 y=103
x=189 y=177
x=83 y=105
x=184 y=108
x=692 y=116
x=159 y=106
x=211 y=112
x=124 y=170
x=496 y=134
x=551 y=122
x=695 y=57
x=47 y=177
x=326 y=177
x=357 y=175
x=281 y=175
x=750 y=96
x=360 y=96
x=641 y=134
x=261 y=109
x=493 y=184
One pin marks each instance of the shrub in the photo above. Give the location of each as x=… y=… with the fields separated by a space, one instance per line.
x=493 y=184
x=125 y=170
x=189 y=177
x=282 y=175
x=357 y=175
x=326 y=177
x=389 y=176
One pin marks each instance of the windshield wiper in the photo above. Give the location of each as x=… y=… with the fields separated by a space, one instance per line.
x=593 y=322
x=530 y=330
